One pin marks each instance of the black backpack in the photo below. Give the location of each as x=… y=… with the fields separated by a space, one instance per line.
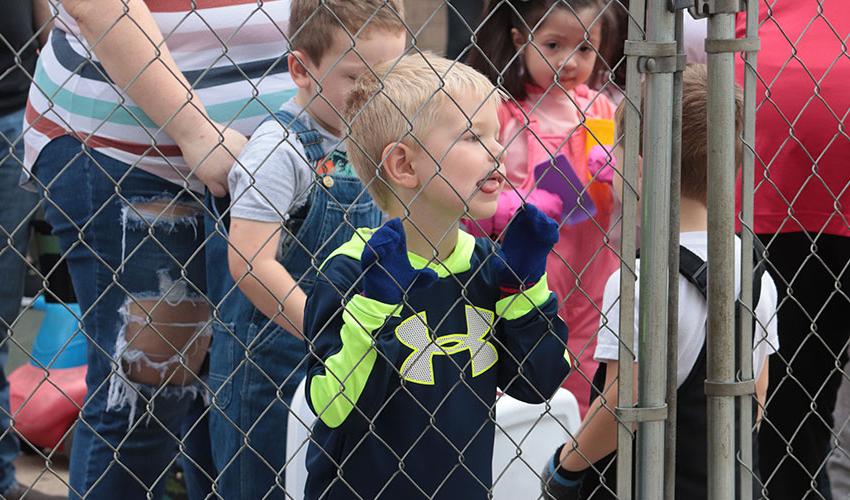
x=691 y=443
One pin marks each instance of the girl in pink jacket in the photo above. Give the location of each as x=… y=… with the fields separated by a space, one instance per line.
x=543 y=53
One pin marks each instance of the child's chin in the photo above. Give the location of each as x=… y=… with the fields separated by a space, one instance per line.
x=482 y=210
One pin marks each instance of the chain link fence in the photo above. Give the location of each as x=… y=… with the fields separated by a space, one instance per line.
x=178 y=331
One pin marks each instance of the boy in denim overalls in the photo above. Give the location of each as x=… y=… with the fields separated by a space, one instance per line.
x=294 y=199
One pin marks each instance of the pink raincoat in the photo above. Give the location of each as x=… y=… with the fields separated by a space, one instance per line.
x=548 y=140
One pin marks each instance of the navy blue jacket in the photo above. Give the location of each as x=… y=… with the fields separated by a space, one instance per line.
x=405 y=393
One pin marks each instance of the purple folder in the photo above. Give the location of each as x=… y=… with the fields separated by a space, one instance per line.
x=558 y=177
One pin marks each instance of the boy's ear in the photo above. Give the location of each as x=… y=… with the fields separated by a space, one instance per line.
x=297 y=63
x=398 y=166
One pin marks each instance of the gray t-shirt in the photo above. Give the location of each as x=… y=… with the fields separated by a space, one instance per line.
x=273 y=176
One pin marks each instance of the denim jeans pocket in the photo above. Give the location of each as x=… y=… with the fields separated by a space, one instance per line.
x=274 y=350
x=65 y=182
x=260 y=332
x=340 y=222
x=222 y=365
x=265 y=335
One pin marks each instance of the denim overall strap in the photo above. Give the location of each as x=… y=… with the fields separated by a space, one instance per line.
x=310 y=138
x=338 y=204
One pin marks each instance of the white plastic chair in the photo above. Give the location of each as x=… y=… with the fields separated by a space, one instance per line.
x=536 y=433
x=530 y=427
x=299 y=426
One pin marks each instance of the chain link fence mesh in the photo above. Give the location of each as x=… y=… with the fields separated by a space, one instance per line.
x=152 y=375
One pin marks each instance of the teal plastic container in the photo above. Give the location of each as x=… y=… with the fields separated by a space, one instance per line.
x=60 y=342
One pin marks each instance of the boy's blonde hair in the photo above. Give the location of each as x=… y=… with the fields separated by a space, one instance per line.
x=695 y=130
x=399 y=102
x=314 y=23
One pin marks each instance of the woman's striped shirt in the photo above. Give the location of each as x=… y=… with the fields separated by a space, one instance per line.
x=232 y=52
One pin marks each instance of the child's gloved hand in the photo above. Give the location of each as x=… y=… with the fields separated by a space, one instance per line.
x=601 y=164
x=528 y=240
x=387 y=273
x=556 y=485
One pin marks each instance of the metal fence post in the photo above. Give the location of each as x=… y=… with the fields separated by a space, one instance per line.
x=673 y=271
x=631 y=135
x=655 y=202
x=721 y=280
x=746 y=313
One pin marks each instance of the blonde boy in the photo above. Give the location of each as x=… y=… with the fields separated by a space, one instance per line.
x=414 y=325
x=294 y=198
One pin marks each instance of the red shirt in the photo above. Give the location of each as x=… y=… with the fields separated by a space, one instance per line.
x=802 y=172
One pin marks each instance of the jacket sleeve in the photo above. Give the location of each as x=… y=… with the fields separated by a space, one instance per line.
x=533 y=359
x=352 y=352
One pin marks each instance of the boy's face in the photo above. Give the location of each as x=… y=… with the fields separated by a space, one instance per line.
x=340 y=66
x=459 y=162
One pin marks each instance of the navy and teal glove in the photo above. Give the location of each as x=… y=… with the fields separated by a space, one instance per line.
x=559 y=484
x=387 y=273
x=528 y=240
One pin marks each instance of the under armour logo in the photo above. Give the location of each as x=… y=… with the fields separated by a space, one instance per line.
x=419 y=365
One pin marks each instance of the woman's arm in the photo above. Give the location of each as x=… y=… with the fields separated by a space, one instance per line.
x=128 y=43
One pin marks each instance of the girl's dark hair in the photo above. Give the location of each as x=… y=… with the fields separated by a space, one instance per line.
x=494 y=53
x=616 y=33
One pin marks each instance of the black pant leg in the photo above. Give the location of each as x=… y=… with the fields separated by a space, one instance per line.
x=804 y=377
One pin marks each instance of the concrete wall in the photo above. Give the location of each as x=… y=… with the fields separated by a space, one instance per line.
x=427 y=20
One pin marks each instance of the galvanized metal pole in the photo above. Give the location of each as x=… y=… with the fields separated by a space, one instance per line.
x=631 y=137
x=673 y=272
x=721 y=275
x=655 y=201
x=746 y=314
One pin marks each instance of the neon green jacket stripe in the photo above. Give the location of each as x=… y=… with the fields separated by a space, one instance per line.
x=335 y=393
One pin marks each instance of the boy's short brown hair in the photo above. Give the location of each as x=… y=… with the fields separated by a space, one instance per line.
x=695 y=130
x=313 y=23
x=399 y=102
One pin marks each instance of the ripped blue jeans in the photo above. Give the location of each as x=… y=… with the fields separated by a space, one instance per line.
x=134 y=247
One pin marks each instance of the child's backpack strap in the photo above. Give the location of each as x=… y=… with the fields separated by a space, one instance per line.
x=695 y=270
x=310 y=138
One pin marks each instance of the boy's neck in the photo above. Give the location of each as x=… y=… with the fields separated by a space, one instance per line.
x=425 y=239
x=303 y=99
x=693 y=215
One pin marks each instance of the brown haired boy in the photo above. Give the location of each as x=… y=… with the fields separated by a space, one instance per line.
x=294 y=199
x=570 y=475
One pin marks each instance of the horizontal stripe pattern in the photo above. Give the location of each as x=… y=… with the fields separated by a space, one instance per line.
x=157 y=6
x=199 y=79
x=231 y=51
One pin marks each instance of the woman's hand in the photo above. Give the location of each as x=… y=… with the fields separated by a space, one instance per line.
x=129 y=44
x=211 y=154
